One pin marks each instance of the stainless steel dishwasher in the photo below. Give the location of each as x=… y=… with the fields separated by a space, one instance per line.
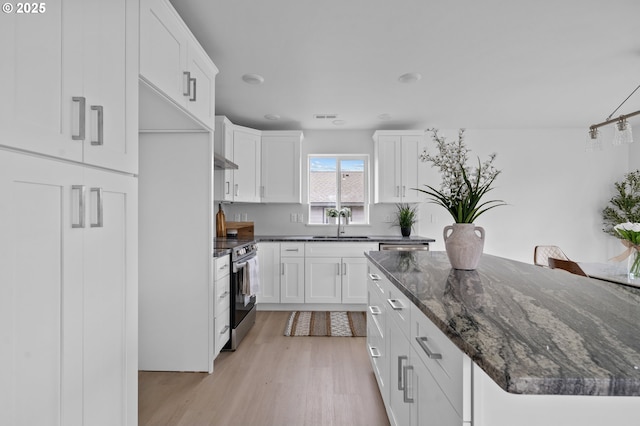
x=417 y=246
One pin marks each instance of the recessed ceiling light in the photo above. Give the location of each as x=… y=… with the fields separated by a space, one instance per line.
x=253 y=79
x=273 y=117
x=410 y=77
x=384 y=117
x=338 y=122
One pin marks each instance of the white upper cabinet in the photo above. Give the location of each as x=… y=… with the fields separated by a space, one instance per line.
x=242 y=146
x=396 y=165
x=246 y=154
x=281 y=167
x=173 y=62
x=68 y=80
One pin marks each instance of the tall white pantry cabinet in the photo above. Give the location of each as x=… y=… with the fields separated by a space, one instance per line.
x=68 y=214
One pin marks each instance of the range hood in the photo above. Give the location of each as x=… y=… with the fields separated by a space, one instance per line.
x=222 y=163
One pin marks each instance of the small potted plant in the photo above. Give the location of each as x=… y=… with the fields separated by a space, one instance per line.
x=332 y=215
x=406 y=216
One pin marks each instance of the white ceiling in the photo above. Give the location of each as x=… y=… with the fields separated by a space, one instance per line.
x=484 y=63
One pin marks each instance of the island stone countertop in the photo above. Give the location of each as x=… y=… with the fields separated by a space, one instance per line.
x=533 y=330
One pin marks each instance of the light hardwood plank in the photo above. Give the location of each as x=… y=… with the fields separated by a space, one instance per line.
x=271 y=380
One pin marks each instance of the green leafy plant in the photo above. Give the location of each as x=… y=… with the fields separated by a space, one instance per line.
x=406 y=215
x=625 y=205
x=332 y=212
x=462 y=187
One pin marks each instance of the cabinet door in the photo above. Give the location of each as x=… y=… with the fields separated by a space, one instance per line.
x=388 y=178
x=281 y=169
x=292 y=280
x=40 y=73
x=163 y=49
x=429 y=405
x=110 y=53
x=323 y=280
x=41 y=292
x=110 y=296
x=409 y=166
x=269 y=259
x=354 y=280
x=246 y=154
x=202 y=72
x=399 y=375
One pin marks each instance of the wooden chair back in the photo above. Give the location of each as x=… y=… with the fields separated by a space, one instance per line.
x=567 y=265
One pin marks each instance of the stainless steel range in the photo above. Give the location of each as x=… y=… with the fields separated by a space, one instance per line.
x=243 y=306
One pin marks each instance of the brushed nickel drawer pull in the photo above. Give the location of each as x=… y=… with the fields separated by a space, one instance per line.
x=377 y=353
x=396 y=304
x=374 y=277
x=375 y=310
x=225 y=329
x=405 y=391
x=422 y=341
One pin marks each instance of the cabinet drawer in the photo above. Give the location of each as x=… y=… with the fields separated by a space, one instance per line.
x=223 y=295
x=376 y=309
x=339 y=249
x=222 y=329
x=398 y=307
x=444 y=360
x=291 y=249
x=222 y=266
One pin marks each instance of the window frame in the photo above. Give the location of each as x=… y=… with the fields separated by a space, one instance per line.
x=367 y=185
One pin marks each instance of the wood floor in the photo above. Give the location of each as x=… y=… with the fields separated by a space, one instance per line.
x=270 y=380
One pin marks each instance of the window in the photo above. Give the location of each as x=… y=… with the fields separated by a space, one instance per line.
x=338 y=182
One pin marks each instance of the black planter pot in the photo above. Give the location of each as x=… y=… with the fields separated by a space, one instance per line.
x=405 y=231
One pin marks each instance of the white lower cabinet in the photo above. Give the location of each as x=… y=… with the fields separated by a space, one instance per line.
x=68 y=299
x=422 y=384
x=336 y=272
x=221 y=312
x=269 y=260
x=292 y=273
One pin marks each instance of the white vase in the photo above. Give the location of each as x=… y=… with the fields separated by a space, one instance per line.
x=464 y=245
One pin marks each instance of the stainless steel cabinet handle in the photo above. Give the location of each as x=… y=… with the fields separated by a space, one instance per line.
x=375 y=310
x=401 y=382
x=193 y=97
x=404 y=191
x=187 y=91
x=262 y=191
x=397 y=191
x=100 y=218
x=344 y=268
x=227 y=190
x=282 y=269
x=375 y=353
x=100 y=140
x=338 y=268
x=237 y=190
x=81 y=206
x=422 y=341
x=225 y=329
x=225 y=294
x=396 y=304
x=225 y=266
x=374 y=277
x=81 y=118
x=290 y=249
x=405 y=391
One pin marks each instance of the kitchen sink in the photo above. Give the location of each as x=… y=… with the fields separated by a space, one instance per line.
x=344 y=237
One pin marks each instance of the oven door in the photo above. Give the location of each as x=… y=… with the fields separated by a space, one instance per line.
x=240 y=304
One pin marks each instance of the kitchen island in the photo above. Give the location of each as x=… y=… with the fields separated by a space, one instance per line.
x=538 y=346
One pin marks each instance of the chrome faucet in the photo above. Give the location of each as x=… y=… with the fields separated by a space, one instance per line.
x=343 y=213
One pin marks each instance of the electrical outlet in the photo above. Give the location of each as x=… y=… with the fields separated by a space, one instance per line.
x=293 y=217
x=301 y=217
x=236 y=217
x=245 y=217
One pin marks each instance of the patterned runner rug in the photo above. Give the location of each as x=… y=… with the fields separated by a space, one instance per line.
x=320 y=323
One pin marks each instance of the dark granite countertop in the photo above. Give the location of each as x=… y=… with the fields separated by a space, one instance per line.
x=391 y=239
x=533 y=330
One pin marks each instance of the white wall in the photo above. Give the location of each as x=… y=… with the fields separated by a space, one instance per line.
x=554 y=189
